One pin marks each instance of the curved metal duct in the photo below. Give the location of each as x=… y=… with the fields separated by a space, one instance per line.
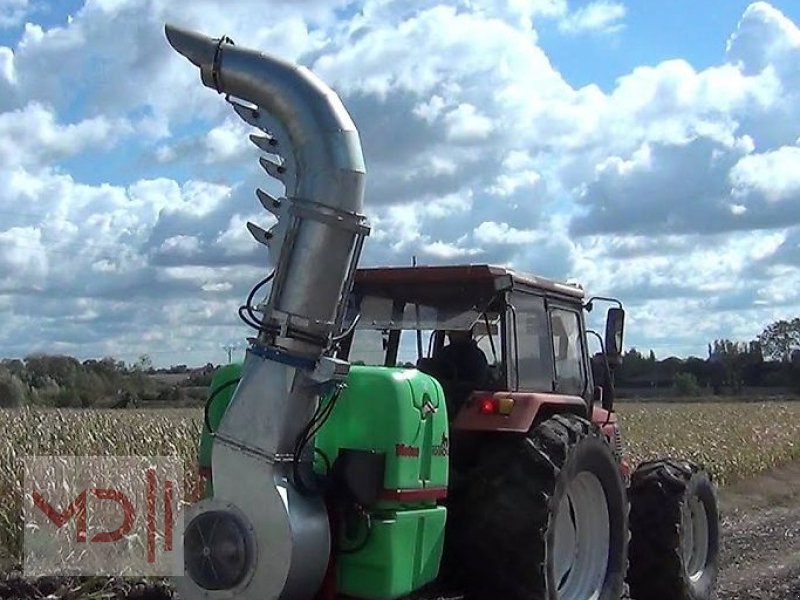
x=275 y=541
x=324 y=172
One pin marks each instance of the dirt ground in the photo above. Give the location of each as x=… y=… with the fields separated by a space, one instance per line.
x=761 y=537
x=760 y=548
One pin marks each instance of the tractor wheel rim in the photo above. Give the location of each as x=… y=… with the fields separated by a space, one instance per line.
x=582 y=539
x=695 y=537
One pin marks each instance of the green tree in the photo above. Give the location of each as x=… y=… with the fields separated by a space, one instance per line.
x=67 y=398
x=729 y=359
x=686 y=385
x=779 y=339
x=12 y=390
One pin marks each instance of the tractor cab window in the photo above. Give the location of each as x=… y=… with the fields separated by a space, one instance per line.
x=568 y=351
x=487 y=334
x=457 y=339
x=483 y=341
x=372 y=342
x=530 y=342
x=369 y=346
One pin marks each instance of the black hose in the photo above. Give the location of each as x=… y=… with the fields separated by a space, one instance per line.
x=247 y=312
x=248 y=321
x=320 y=417
x=299 y=446
x=213 y=395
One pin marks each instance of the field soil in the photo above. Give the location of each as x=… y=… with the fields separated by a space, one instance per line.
x=761 y=537
x=760 y=548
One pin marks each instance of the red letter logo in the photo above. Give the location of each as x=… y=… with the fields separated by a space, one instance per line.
x=76 y=508
x=127 y=518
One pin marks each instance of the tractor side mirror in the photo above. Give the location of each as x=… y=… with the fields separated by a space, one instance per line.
x=615 y=328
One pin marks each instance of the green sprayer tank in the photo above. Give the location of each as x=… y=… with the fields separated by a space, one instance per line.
x=400 y=414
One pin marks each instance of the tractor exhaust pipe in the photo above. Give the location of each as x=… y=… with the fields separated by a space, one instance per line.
x=259 y=536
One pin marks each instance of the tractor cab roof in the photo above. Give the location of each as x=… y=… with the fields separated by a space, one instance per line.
x=436 y=285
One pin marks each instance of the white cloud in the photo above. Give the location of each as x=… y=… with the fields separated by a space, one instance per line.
x=600 y=16
x=23 y=259
x=447 y=250
x=466 y=123
x=445 y=206
x=194 y=198
x=429 y=111
x=519 y=172
x=8 y=75
x=236 y=240
x=417 y=55
x=544 y=8
x=775 y=174
x=490 y=232
x=764 y=38
x=31 y=136
x=227 y=141
x=13 y=11
x=222 y=286
x=185 y=245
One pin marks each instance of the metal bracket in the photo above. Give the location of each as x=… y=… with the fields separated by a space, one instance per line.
x=330 y=369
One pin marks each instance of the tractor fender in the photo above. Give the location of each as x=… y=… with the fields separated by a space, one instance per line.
x=526 y=408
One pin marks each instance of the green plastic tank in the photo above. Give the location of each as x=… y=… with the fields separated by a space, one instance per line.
x=400 y=413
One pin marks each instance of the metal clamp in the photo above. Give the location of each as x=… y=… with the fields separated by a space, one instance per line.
x=269 y=353
x=307 y=209
x=215 y=63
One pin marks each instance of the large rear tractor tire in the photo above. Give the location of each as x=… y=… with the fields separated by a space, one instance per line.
x=674 y=520
x=541 y=517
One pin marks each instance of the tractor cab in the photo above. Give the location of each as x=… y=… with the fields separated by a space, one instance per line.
x=484 y=332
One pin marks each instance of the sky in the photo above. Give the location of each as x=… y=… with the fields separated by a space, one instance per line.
x=649 y=150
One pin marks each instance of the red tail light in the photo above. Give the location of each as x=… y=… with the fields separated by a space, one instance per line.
x=488 y=406
x=494 y=405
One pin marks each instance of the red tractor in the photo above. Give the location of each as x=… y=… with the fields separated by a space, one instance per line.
x=539 y=494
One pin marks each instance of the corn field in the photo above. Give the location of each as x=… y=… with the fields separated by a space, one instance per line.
x=734 y=440
x=36 y=432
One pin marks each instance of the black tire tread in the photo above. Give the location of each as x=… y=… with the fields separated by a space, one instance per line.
x=656 y=493
x=491 y=551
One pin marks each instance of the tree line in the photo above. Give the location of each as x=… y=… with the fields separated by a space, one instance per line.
x=772 y=360
x=66 y=382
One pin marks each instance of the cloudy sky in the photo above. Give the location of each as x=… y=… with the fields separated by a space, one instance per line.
x=650 y=150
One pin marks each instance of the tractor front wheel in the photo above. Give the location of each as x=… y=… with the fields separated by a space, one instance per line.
x=674 y=520
x=542 y=516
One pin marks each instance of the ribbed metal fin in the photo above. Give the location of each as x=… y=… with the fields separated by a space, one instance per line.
x=266 y=143
x=274 y=140
x=262 y=236
x=249 y=115
x=273 y=205
x=273 y=169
